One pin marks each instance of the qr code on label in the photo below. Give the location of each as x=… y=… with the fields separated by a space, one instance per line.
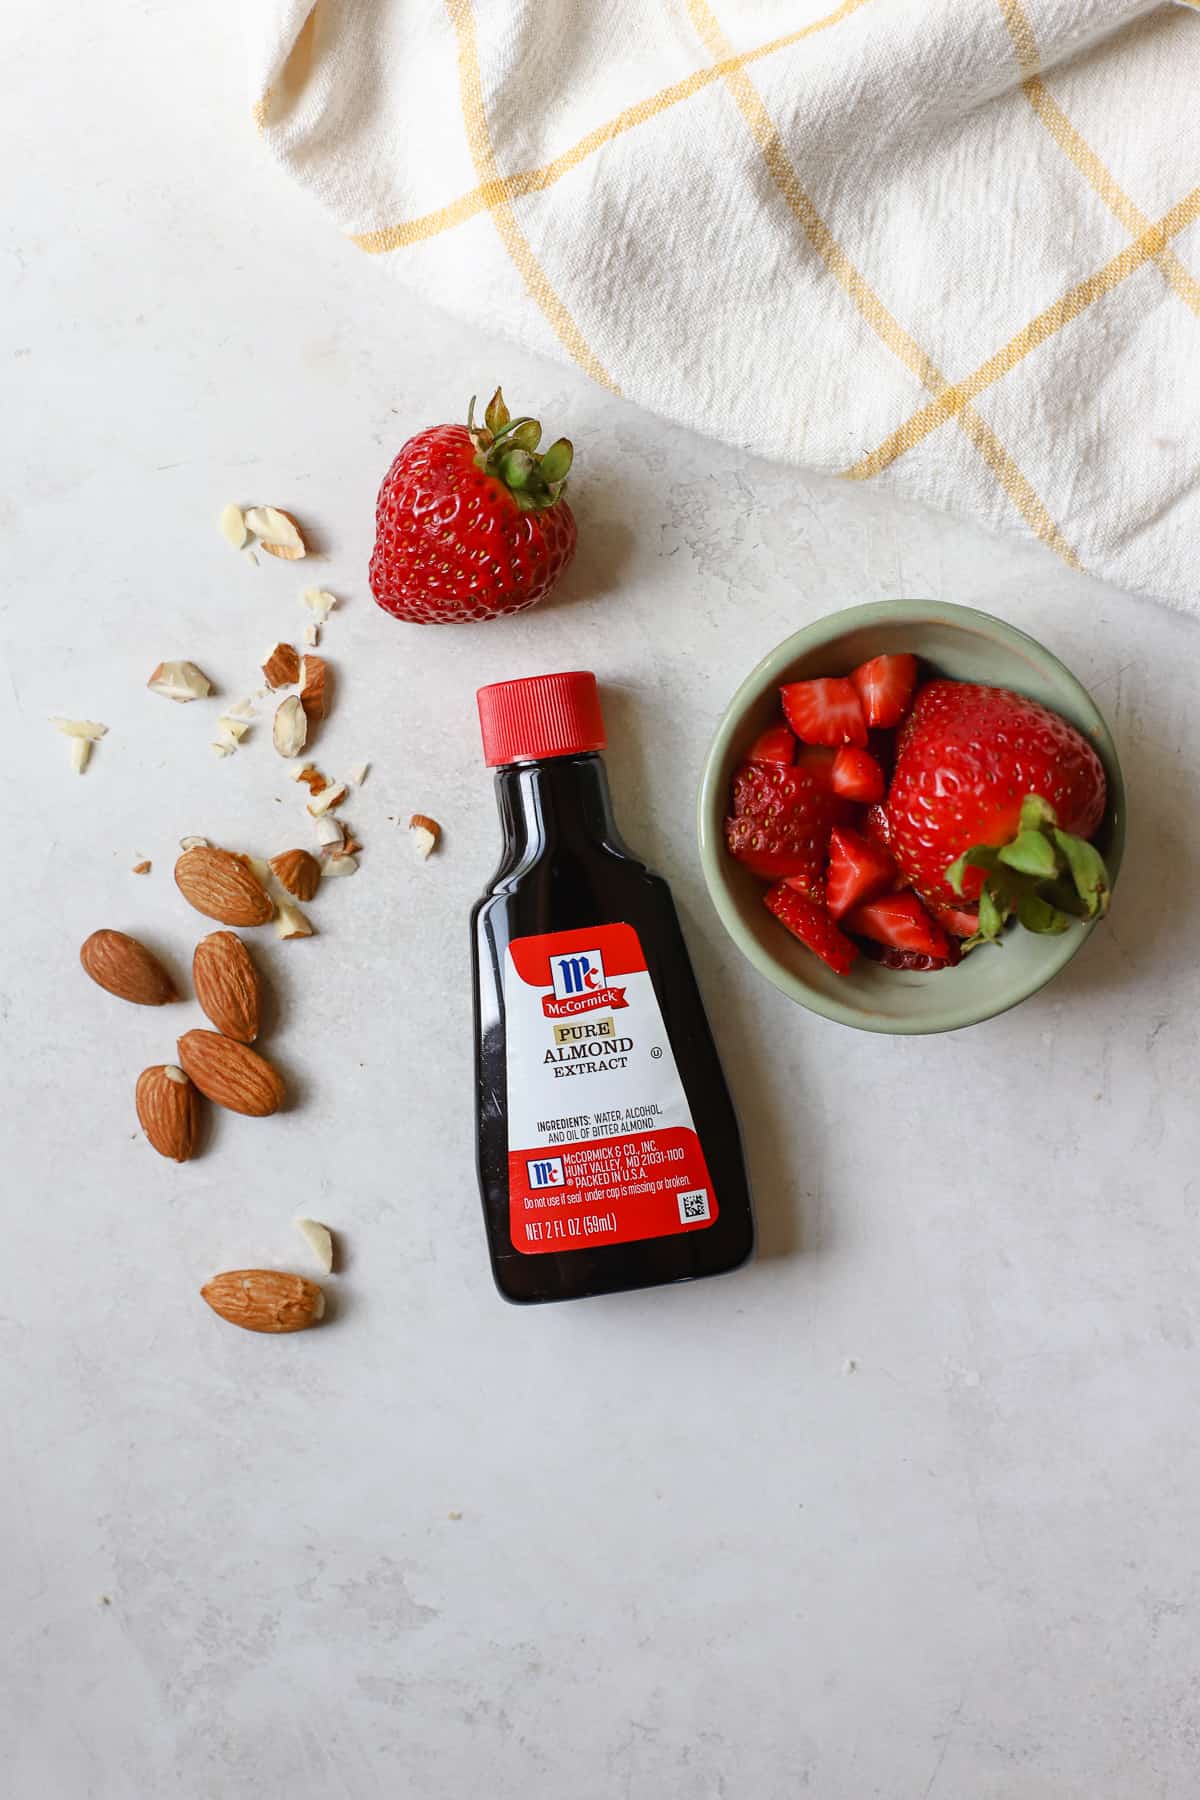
x=693 y=1206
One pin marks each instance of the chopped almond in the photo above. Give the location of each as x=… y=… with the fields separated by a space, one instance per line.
x=282 y=666
x=181 y=681
x=232 y=525
x=141 y=868
x=313 y=688
x=277 y=532
x=319 y=602
x=425 y=833
x=326 y=798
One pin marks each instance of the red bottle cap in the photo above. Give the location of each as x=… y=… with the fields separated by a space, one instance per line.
x=542 y=715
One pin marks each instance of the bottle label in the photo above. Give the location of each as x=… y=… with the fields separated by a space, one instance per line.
x=602 y=1147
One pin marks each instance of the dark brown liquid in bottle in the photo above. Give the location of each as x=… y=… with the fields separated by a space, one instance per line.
x=565 y=867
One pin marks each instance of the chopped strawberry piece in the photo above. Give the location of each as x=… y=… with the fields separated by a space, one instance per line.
x=957 y=919
x=781 y=822
x=910 y=959
x=818 y=761
x=856 y=775
x=775 y=745
x=879 y=826
x=900 y=921
x=827 y=711
x=885 y=687
x=813 y=926
x=858 y=871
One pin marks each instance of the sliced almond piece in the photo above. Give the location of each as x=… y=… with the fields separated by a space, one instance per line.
x=336 y=865
x=80 y=728
x=290 y=727
x=222 y=886
x=81 y=754
x=232 y=525
x=424 y=833
x=126 y=968
x=314 y=688
x=193 y=843
x=327 y=797
x=319 y=1239
x=227 y=985
x=264 y=1299
x=319 y=602
x=312 y=778
x=292 y=923
x=328 y=831
x=181 y=681
x=277 y=532
x=299 y=872
x=231 y=1074
x=141 y=868
x=282 y=666
x=233 y=726
x=312 y=635
x=359 y=774
x=168 y=1110
x=223 y=746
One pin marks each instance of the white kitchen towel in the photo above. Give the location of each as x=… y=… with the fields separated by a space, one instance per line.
x=952 y=245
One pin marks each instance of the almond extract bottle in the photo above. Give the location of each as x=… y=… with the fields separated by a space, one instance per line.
x=608 y=1151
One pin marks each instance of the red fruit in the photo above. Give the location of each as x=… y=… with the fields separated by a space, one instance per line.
x=900 y=921
x=858 y=870
x=856 y=775
x=470 y=522
x=825 y=712
x=910 y=959
x=813 y=926
x=967 y=757
x=781 y=823
x=819 y=763
x=957 y=920
x=775 y=745
x=885 y=687
x=879 y=826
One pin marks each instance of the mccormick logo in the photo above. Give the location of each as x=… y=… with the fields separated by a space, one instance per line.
x=579 y=985
x=581 y=973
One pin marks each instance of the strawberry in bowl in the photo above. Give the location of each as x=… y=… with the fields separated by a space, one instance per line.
x=935 y=784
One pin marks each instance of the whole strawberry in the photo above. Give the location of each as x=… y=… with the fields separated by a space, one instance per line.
x=471 y=522
x=992 y=800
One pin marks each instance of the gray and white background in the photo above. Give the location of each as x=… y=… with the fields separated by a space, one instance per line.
x=907 y=1509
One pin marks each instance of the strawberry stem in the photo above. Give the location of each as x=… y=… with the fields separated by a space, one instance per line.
x=1047 y=876
x=507 y=449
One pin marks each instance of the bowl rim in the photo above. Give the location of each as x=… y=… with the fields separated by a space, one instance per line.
x=710 y=805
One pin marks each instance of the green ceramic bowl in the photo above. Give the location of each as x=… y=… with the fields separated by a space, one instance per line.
x=959 y=642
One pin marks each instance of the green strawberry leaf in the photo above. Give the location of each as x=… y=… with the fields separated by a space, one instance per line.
x=497 y=415
x=982 y=856
x=1063 y=895
x=526 y=435
x=1036 y=813
x=1037 y=914
x=1031 y=854
x=557 y=461
x=1086 y=867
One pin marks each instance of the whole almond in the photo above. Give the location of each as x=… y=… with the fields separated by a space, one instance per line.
x=298 y=872
x=168 y=1110
x=231 y=1074
x=265 y=1299
x=222 y=886
x=126 y=968
x=226 y=984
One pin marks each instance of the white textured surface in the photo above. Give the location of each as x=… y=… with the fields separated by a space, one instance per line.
x=699 y=1555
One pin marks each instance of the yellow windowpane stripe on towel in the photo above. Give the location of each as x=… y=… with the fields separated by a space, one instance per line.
x=1015 y=484
x=489 y=194
x=479 y=138
x=1074 y=145
x=953 y=399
